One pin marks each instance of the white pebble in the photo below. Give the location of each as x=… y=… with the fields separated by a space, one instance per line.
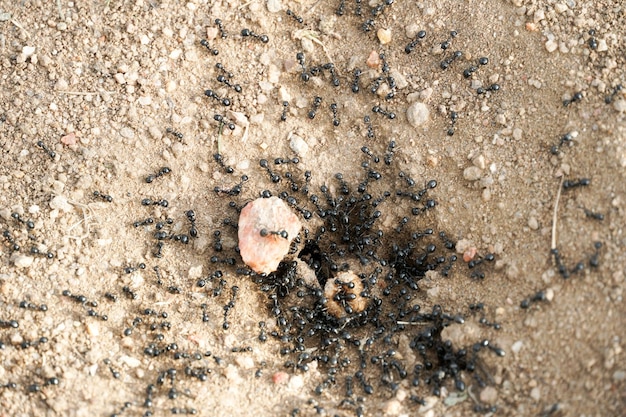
x=274 y=6
x=298 y=145
x=535 y=393
x=28 y=51
x=119 y=78
x=60 y=203
x=533 y=223
x=130 y=361
x=23 y=261
x=176 y=53
x=127 y=132
x=517 y=346
x=417 y=114
x=145 y=100
x=517 y=133
x=195 y=271
x=472 y=173
x=620 y=105
x=489 y=395
x=61 y=84
x=602 y=46
x=295 y=383
x=551 y=45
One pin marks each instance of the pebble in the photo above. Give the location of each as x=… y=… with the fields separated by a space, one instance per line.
x=602 y=46
x=274 y=6
x=472 y=173
x=417 y=114
x=60 y=203
x=127 y=132
x=619 y=376
x=195 y=271
x=298 y=145
x=517 y=346
x=489 y=395
x=392 y=408
x=280 y=378
x=551 y=45
x=400 y=79
x=263 y=253
x=61 y=84
x=535 y=393
x=373 y=60
x=384 y=36
x=533 y=223
x=245 y=362
x=23 y=261
x=429 y=403
x=28 y=51
x=620 y=105
x=296 y=383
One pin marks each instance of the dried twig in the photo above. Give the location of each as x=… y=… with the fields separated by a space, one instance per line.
x=554 y=214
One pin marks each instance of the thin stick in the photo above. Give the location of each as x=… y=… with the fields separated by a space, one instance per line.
x=554 y=215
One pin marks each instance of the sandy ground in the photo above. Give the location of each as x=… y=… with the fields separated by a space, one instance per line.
x=97 y=95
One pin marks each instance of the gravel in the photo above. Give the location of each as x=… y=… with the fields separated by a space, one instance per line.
x=417 y=114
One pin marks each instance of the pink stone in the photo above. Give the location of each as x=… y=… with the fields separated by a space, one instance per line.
x=264 y=253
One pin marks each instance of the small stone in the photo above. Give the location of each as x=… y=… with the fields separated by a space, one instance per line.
x=384 y=36
x=272 y=215
x=69 y=139
x=145 y=100
x=298 y=145
x=549 y=294
x=560 y=8
x=93 y=328
x=60 y=203
x=280 y=378
x=533 y=223
x=620 y=105
x=392 y=408
x=399 y=78
x=551 y=45
x=489 y=395
x=517 y=133
x=472 y=173
x=480 y=162
x=23 y=261
x=461 y=335
x=119 y=78
x=602 y=46
x=517 y=346
x=373 y=60
x=61 y=84
x=274 y=6
x=417 y=114
x=296 y=383
x=429 y=403
x=619 y=376
x=28 y=51
x=426 y=93
x=195 y=271
x=345 y=283
x=245 y=362
x=127 y=132
x=130 y=361
x=535 y=393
